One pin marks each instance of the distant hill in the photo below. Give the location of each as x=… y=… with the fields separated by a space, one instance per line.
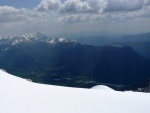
x=140 y=42
x=96 y=40
x=143 y=48
x=144 y=37
x=105 y=40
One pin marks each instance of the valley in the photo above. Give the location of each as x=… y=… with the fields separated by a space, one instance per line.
x=69 y=63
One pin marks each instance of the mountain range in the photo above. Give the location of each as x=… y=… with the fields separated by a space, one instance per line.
x=139 y=42
x=105 y=40
x=66 y=62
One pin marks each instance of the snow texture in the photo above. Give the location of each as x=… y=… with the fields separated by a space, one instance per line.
x=18 y=95
x=102 y=87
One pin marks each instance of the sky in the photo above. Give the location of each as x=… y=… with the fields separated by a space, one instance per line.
x=74 y=17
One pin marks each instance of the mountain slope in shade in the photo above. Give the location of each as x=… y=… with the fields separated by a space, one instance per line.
x=65 y=62
x=69 y=63
x=143 y=48
x=21 y=96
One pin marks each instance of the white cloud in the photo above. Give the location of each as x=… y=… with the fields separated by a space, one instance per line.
x=147 y=2
x=10 y=10
x=11 y=14
x=50 y=14
x=89 y=6
x=100 y=6
x=51 y=5
x=75 y=6
x=123 y=5
x=97 y=6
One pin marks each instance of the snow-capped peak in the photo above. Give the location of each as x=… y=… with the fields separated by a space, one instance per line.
x=52 y=41
x=31 y=37
x=62 y=41
x=35 y=36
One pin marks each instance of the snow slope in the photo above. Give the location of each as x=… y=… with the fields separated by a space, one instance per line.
x=21 y=96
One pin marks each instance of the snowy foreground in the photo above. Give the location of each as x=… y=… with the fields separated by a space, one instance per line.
x=21 y=96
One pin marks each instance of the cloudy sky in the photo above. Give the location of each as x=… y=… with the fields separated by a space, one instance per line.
x=74 y=17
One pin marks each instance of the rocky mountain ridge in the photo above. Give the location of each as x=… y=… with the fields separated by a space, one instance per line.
x=33 y=38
